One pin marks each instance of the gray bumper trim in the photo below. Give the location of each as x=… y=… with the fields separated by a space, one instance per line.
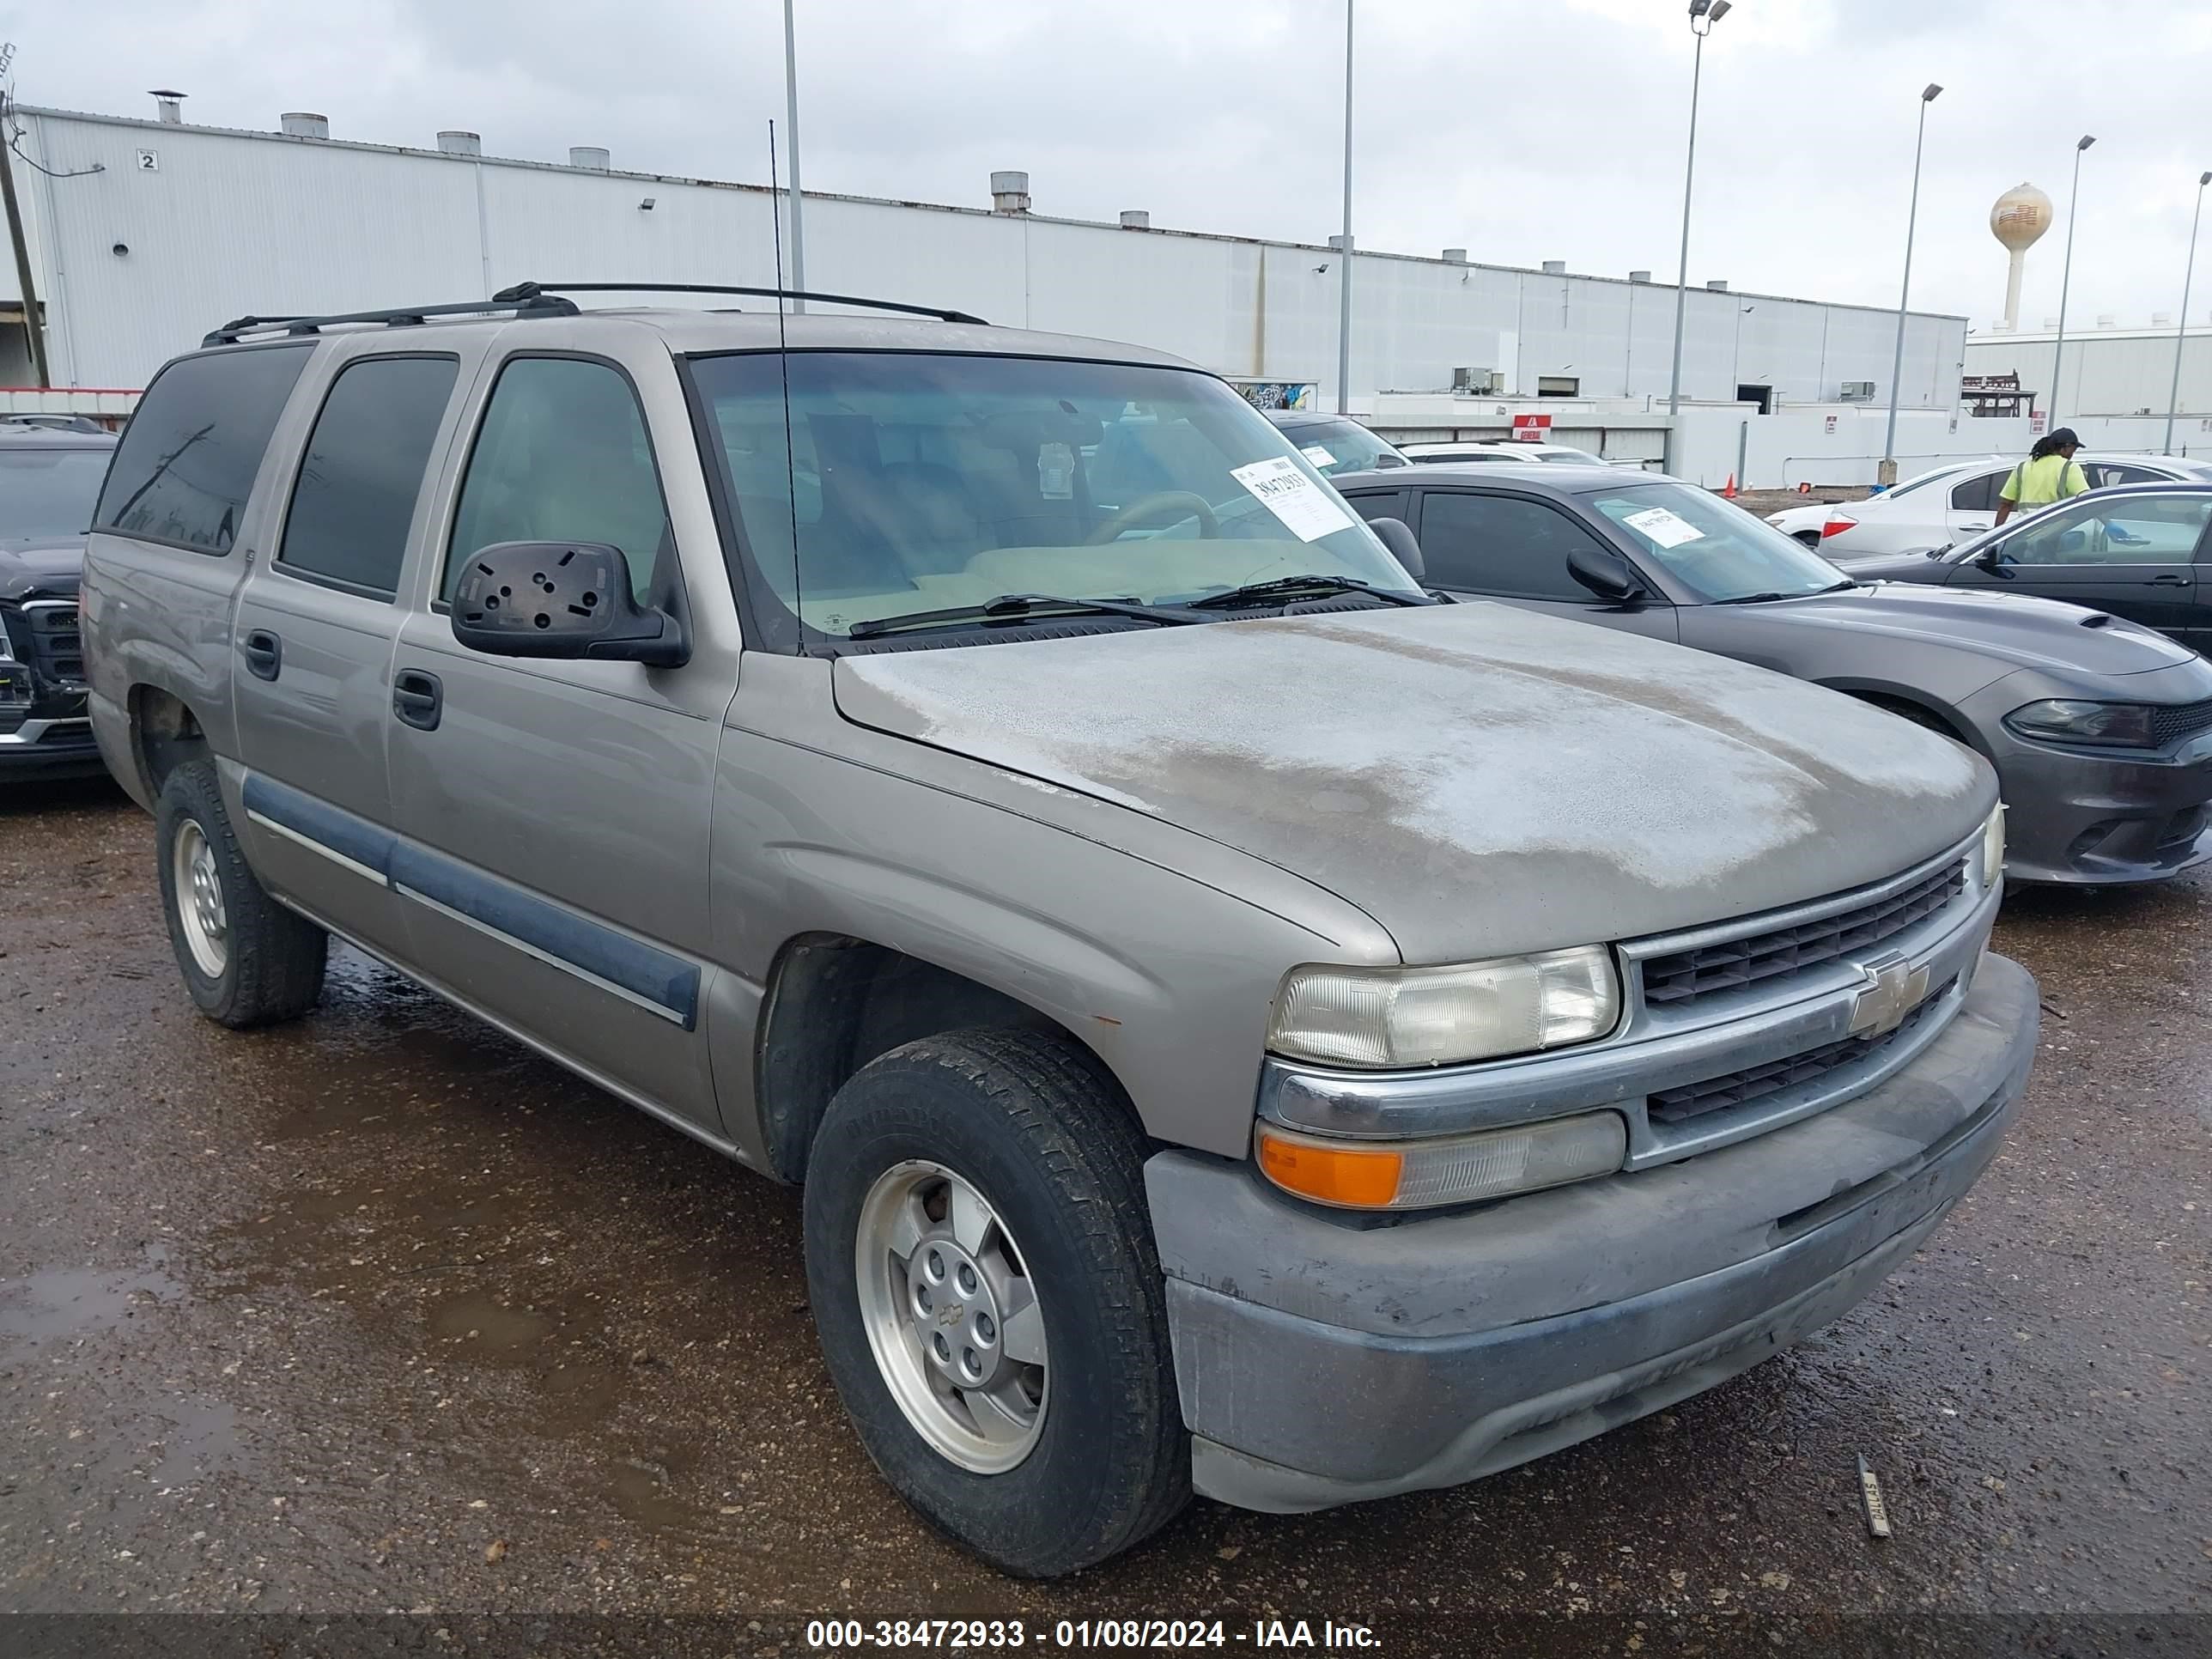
x=1320 y=1364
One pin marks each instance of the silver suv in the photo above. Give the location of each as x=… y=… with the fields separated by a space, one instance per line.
x=1242 y=1024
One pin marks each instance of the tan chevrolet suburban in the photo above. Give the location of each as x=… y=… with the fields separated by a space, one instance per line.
x=1243 y=1025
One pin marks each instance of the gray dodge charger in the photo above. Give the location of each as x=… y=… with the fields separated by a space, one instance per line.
x=2100 y=729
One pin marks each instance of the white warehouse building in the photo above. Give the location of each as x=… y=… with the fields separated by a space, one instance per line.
x=2107 y=371
x=145 y=233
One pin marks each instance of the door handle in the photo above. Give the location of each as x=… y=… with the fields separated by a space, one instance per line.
x=417 y=698
x=1976 y=524
x=263 y=653
x=2170 y=580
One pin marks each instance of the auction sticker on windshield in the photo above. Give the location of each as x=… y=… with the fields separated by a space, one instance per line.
x=1317 y=455
x=1305 y=510
x=1664 y=527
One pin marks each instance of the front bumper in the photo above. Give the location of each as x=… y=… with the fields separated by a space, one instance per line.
x=50 y=747
x=1322 y=1362
x=2104 y=816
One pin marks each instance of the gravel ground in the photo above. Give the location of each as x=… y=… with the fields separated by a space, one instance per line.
x=380 y=1314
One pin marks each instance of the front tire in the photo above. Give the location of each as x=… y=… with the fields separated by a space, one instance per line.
x=246 y=960
x=982 y=1268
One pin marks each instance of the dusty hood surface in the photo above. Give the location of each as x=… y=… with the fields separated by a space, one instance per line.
x=1476 y=778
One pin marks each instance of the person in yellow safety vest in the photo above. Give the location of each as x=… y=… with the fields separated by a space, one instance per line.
x=2048 y=474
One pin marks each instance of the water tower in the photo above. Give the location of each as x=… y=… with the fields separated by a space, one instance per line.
x=2021 y=215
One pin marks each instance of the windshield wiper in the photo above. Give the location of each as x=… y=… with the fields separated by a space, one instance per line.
x=1018 y=605
x=1281 y=587
x=1838 y=588
x=1758 y=599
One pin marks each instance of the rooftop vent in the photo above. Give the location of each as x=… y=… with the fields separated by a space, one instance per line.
x=1010 y=192
x=2050 y=322
x=1454 y=256
x=2106 y=320
x=304 y=124
x=1718 y=285
x=1136 y=219
x=168 y=106
x=1337 y=242
x=1639 y=276
x=455 y=142
x=1555 y=267
x=590 y=156
x=2161 y=320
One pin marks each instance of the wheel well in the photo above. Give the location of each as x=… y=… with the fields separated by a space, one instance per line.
x=1919 y=714
x=834 y=1004
x=164 y=734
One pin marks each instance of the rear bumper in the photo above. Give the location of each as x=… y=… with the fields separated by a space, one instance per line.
x=1323 y=1363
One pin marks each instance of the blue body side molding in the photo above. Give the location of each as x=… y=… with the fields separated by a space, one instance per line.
x=669 y=983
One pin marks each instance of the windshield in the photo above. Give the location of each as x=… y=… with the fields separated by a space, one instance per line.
x=1336 y=446
x=48 y=492
x=914 y=483
x=1575 y=457
x=1714 y=548
x=1920 y=482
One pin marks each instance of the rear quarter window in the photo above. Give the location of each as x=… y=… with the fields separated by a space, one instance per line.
x=186 y=466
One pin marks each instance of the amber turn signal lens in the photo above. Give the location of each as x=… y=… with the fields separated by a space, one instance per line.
x=1364 y=1177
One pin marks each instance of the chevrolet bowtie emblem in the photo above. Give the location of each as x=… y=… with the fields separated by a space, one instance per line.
x=1899 y=987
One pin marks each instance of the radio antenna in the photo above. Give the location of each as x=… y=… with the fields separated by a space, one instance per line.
x=783 y=368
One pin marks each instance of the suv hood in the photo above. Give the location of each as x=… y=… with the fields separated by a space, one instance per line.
x=1478 y=779
x=29 y=567
x=2016 y=628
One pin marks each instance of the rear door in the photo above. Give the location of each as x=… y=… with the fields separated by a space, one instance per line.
x=1971 y=505
x=2133 y=555
x=1514 y=548
x=553 y=815
x=312 y=637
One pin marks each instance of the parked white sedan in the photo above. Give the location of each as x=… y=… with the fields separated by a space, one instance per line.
x=1952 y=503
x=1495 y=450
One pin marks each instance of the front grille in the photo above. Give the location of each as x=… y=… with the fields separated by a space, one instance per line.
x=1670 y=1107
x=57 y=647
x=2171 y=722
x=1681 y=977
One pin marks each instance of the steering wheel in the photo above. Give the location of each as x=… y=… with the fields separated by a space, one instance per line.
x=1182 y=502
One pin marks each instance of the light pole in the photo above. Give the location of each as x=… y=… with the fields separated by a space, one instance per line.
x=2181 y=334
x=1703 y=14
x=2066 y=280
x=1885 y=474
x=791 y=122
x=1344 y=254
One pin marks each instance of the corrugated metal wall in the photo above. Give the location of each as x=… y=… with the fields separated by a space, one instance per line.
x=228 y=222
x=2123 y=372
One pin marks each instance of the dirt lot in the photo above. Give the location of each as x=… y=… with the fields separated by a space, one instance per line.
x=380 y=1314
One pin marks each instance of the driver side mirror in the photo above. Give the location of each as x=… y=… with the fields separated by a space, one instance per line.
x=570 y=600
x=1605 y=573
x=1991 y=559
x=1397 y=536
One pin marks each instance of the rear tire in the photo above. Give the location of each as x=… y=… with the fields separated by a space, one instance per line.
x=246 y=960
x=1008 y=1166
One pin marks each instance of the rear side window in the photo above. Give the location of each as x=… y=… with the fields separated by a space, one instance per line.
x=1502 y=544
x=356 y=494
x=1977 y=494
x=187 y=460
x=561 y=456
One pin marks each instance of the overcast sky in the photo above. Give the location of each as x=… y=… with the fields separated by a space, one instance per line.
x=1523 y=130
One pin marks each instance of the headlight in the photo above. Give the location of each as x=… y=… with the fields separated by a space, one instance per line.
x=2063 y=719
x=1993 y=847
x=1377 y=1017
x=1414 y=1174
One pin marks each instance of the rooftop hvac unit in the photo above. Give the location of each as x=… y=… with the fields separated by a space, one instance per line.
x=1857 y=392
x=1481 y=381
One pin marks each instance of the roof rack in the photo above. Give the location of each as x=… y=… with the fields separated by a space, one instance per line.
x=533 y=304
x=523 y=293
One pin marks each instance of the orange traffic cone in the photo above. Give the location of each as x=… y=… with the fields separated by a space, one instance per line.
x=1727 y=489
